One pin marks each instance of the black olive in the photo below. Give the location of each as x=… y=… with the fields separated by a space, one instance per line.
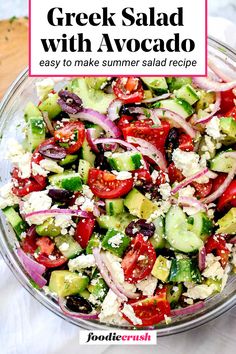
x=101 y=161
x=172 y=142
x=60 y=195
x=77 y=303
x=53 y=151
x=69 y=102
x=140 y=226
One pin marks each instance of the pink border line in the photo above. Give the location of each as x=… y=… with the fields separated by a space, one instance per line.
x=104 y=75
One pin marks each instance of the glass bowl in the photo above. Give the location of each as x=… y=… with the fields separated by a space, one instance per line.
x=11 y=123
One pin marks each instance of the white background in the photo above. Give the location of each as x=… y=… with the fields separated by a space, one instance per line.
x=194 y=28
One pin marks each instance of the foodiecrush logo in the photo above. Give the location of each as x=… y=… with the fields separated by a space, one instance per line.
x=118 y=38
x=117 y=337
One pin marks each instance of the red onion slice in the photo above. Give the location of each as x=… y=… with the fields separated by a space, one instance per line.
x=33 y=268
x=52 y=212
x=218 y=72
x=202 y=259
x=115 y=141
x=146 y=113
x=233 y=240
x=97 y=118
x=210 y=198
x=189 y=180
x=104 y=273
x=48 y=123
x=119 y=286
x=114 y=109
x=188 y=310
x=83 y=316
x=192 y=202
x=213 y=86
x=157 y=98
x=216 y=108
x=90 y=139
x=149 y=150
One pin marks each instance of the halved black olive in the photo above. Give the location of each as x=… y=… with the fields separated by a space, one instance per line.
x=77 y=303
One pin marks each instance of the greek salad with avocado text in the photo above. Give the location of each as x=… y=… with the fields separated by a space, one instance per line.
x=122 y=195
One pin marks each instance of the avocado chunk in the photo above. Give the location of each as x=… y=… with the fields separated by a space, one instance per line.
x=228 y=127
x=161 y=268
x=48 y=228
x=227 y=224
x=139 y=205
x=64 y=283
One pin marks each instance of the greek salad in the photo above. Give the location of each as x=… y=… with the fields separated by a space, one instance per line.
x=122 y=195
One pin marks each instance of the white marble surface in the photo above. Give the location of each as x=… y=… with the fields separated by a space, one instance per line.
x=28 y=328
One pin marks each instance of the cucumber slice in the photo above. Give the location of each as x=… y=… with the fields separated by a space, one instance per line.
x=181 y=107
x=114 y=206
x=68 y=246
x=177 y=233
x=220 y=163
x=17 y=223
x=158 y=239
x=92 y=98
x=184 y=270
x=115 y=242
x=173 y=294
x=175 y=83
x=69 y=180
x=119 y=222
x=86 y=153
x=156 y=84
x=94 y=242
x=187 y=93
x=36 y=132
x=48 y=228
x=31 y=111
x=201 y=225
x=83 y=169
x=69 y=159
x=51 y=106
x=64 y=283
x=125 y=161
x=99 y=288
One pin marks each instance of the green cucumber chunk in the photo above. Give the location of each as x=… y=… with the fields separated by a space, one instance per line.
x=125 y=161
x=86 y=153
x=118 y=222
x=175 y=83
x=98 y=288
x=48 y=228
x=114 y=206
x=115 y=242
x=68 y=246
x=69 y=159
x=158 y=239
x=179 y=106
x=173 y=294
x=36 y=132
x=31 y=111
x=64 y=283
x=83 y=170
x=184 y=270
x=187 y=93
x=200 y=224
x=17 y=223
x=68 y=180
x=50 y=106
x=177 y=233
x=95 y=241
x=156 y=84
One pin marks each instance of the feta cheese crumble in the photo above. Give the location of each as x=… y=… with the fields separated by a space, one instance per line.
x=81 y=262
x=7 y=198
x=43 y=88
x=115 y=240
x=165 y=190
x=36 y=201
x=21 y=159
x=213 y=128
x=147 y=286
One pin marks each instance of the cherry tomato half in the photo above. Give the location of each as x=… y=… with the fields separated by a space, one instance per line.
x=71 y=136
x=227 y=102
x=150 y=311
x=84 y=230
x=129 y=90
x=231 y=113
x=134 y=268
x=175 y=175
x=105 y=185
x=24 y=186
x=46 y=245
x=202 y=189
x=142 y=175
x=50 y=262
x=186 y=142
x=217 y=244
x=228 y=198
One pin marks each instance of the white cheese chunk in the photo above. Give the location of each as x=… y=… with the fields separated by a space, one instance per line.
x=43 y=88
x=7 y=198
x=51 y=166
x=147 y=286
x=81 y=262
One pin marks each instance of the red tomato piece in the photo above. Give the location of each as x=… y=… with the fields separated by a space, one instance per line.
x=186 y=142
x=227 y=102
x=202 y=189
x=228 y=198
x=46 y=245
x=217 y=244
x=217 y=182
x=135 y=269
x=231 y=113
x=84 y=230
x=150 y=311
x=145 y=130
x=51 y=262
x=28 y=244
x=129 y=90
x=24 y=186
x=71 y=136
x=175 y=175
x=142 y=174
x=105 y=185
x=124 y=121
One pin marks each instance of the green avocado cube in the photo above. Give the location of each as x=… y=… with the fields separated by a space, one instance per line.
x=227 y=224
x=115 y=242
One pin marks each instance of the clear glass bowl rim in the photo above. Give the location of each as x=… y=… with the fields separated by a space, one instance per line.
x=49 y=302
